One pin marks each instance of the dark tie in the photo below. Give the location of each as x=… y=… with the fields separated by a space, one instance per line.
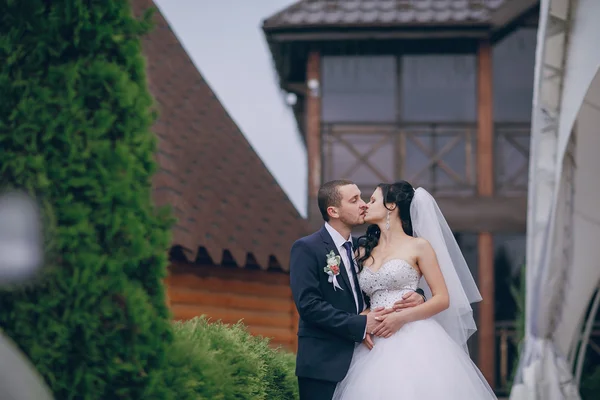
x=348 y=247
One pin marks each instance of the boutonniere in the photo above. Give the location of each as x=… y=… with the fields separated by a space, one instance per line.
x=333 y=269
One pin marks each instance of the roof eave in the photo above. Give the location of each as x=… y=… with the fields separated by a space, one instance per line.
x=510 y=18
x=374 y=32
x=512 y=11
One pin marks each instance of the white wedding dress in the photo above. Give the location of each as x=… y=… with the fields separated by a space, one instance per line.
x=420 y=361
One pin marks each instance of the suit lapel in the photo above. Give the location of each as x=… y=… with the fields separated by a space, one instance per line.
x=329 y=246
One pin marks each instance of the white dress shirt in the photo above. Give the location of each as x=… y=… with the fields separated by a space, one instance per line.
x=339 y=241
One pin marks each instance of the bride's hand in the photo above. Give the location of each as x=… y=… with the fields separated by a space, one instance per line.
x=390 y=324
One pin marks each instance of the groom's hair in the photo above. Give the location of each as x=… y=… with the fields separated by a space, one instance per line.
x=329 y=196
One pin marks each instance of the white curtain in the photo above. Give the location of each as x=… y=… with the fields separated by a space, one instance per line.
x=563 y=216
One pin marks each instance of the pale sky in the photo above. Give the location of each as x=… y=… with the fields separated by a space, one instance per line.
x=225 y=41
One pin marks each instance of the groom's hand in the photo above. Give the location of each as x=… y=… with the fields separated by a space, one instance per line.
x=410 y=299
x=368 y=341
x=374 y=317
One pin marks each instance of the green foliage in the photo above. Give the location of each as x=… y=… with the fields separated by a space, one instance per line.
x=75 y=118
x=518 y=293
x=216 y=361
x=590 y=383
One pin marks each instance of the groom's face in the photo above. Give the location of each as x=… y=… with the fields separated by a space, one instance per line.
x=351 y=209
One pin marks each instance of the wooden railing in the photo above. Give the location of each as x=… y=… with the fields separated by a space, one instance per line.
x=511 y=150
x=438 y=156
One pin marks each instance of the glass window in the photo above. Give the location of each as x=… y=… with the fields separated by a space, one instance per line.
x=513 y=61
x=509 y=260
x=359 y=89
x=439 y=88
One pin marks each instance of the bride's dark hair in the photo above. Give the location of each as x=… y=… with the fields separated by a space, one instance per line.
x=401 y=194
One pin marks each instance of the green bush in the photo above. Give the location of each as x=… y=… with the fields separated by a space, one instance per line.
x=75 y=119
x=217 y=361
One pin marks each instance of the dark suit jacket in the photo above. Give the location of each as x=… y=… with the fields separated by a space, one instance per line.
x=329 y=325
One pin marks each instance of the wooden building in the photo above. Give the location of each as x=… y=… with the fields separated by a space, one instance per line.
x=434 y=92
x=235 y=225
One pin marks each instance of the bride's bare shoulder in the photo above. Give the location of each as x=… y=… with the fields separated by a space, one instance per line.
x=421 y=244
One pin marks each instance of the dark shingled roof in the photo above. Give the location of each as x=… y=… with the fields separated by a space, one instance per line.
x=224 y=197
x=357 y=13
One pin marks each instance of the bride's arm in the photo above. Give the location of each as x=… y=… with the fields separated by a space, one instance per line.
x=439 y=301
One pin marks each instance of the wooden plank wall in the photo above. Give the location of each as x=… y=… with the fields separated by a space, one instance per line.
x=263 y=300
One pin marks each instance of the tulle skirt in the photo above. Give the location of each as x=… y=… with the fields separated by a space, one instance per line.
x=420 y=361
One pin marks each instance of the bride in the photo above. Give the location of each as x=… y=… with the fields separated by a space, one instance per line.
x=419 y=352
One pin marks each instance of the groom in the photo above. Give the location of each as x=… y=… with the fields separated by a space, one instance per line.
x=330 y=303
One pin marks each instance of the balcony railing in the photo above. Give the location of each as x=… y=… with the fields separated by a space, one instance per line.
x=512 y=158
x=438 y=156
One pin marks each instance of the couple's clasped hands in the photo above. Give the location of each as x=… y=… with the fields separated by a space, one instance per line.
x=384 y=322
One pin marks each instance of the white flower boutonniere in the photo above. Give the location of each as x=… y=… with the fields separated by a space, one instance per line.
x=333 y=269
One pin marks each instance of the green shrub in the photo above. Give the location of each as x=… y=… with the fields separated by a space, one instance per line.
x=217 y=361
x=75 y=119
x=281 y=382
x=194 y=371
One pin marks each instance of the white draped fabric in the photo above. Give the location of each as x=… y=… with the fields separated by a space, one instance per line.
x=564 y=194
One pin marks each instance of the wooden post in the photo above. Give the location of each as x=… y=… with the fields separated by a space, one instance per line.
x=313 y=134
x=485 y=188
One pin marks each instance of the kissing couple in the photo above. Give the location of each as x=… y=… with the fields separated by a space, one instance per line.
x=386 y=316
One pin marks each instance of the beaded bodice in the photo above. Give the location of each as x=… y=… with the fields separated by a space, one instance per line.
x=389 y=283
